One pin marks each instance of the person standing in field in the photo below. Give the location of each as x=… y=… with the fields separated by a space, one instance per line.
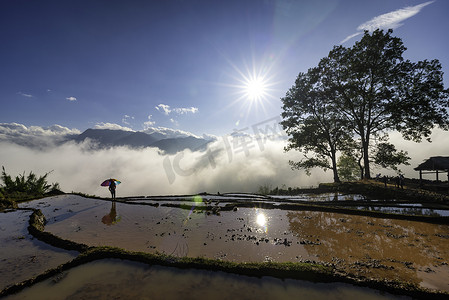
x=112 y=187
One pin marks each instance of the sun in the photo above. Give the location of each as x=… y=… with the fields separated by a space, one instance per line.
x=252 y=86
x=255 y=88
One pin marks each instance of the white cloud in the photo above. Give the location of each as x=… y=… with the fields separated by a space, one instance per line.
x=25 y=95
x=145 y=171
x=34 y=136
x=164 y=108
x=71 y=98
x=12 y=128
x=15 y=129
x=169 y=132
x=177 y=110
x=111 y=126
x=53 y=130
x=148 y=123
x=185 y=110
x=391 y=20
x=126 y=119
x=350 y=37
x=209 y=137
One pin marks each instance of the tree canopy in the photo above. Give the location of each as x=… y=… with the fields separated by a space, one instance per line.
x=356 y=96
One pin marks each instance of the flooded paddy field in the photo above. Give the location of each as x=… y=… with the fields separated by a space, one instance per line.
x=118 y=279
x=253 y=228
x=23 y=256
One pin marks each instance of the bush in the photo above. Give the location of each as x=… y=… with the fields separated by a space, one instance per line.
x=25 y=187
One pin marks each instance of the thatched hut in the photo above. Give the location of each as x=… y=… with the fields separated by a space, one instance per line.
x=435 y=164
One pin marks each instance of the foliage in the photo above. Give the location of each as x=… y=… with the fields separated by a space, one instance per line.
x=358 y=94
x=387 y=156
x=26 y=187
x=312 y=123
x=348 y=167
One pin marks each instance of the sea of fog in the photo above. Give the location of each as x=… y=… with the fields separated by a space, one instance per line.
x=148 y=171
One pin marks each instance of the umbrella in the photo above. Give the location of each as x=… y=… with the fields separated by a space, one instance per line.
x=107 y=182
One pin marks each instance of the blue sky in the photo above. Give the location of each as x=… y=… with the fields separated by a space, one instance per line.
x=183 y=64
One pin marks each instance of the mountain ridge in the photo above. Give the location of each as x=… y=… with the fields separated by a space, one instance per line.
x=105 y=138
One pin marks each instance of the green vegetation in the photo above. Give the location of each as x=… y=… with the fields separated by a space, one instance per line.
x=24 y=188
x=350 y=102
x=348 y=168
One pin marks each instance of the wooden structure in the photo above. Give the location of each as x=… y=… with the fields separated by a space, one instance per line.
x=435 y=164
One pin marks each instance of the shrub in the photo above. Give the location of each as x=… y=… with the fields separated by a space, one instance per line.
x=25 y=187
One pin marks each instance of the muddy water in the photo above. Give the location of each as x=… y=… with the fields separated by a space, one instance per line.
x=174 y=231
x=116 y=279
x=365 y=246
x=378 y=248
x=22 y=256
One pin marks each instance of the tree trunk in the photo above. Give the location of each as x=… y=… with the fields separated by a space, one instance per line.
x=334 y=168
x=365 y=144
x=361 y=171
x=360 y=167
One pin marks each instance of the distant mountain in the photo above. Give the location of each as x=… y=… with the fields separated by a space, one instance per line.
x=137 y=140
x=173 y=145
x=105 y=138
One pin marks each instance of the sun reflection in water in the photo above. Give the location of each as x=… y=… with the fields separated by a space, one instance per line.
x=261 y=220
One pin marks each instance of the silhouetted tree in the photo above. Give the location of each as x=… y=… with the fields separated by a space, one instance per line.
x=387 y=156
x=312 y=123
x=370 y=90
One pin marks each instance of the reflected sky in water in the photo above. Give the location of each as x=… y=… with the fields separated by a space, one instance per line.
x=21 y=255
x=116 y=279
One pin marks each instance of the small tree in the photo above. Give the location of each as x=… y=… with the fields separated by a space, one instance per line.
x=348 y=167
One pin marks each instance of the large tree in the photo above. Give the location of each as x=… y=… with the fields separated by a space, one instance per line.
x=313 y=125
x=373 y=90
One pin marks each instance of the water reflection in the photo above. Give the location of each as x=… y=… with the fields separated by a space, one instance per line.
x=111 y=218
x=411 y=210
x=325 y=197
x=114 y=279
x=261 y=220
x=373 y=247
x=21 y=255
